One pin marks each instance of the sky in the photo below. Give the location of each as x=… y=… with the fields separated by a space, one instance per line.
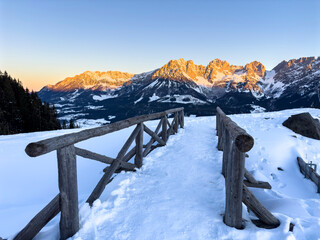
x=44 y=41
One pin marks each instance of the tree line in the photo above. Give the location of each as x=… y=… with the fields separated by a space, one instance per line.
x=22 y=110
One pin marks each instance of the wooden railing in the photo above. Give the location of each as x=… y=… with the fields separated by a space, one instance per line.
x=67 y=200
x=309 y=172
x=235 y=142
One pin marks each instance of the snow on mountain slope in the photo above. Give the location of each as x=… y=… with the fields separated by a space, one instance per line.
x=178 y=193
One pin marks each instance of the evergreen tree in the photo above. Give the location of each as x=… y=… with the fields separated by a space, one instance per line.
x=22 y=111
x=71 y=124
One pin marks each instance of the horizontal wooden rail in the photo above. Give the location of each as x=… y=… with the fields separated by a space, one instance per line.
x=243 y=141
x=42 y=147
x=259 y=210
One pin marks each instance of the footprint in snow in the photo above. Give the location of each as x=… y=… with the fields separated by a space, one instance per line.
x=274 y=177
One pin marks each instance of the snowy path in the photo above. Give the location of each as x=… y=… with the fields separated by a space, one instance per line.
x=178 y=194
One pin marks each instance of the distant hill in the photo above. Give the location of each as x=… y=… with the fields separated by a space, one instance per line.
x=22 y=111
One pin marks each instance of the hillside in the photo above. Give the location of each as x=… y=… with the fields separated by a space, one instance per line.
x=112 y=96
x=178 y=193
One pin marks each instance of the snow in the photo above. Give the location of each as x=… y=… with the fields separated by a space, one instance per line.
x=138 y=100
x=152 y=84
x=184 y=99
x=91 y=122
x=94 y=107
x=257 y=109
x=103 y=97
x=154 y=97
x=270 y=87
x=72 y=116
x=178 y=193
x=202 y=81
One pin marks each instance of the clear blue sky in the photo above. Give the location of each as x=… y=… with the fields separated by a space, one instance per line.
x=44 y=41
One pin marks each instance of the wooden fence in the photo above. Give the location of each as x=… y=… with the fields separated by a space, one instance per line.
x=309 y=172
x=67 y=200
x=235 y=142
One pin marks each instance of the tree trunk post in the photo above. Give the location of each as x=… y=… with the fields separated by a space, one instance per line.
x=226 y=151
x=217 y=124
x=182 y=118
x=234 y=186
x=164 y=129
x=175 y=127
x=67 y=171
x=139 y=147
x=221 y=132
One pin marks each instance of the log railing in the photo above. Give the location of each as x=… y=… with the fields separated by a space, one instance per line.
x=309 y=172
x=235 y=142
x=66 y=201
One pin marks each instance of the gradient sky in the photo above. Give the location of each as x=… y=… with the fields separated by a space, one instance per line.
x=43 y=42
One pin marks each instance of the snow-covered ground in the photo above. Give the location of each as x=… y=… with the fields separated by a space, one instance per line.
x=177 y=194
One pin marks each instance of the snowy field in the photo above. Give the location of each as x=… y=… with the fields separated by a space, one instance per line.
x=177 y=194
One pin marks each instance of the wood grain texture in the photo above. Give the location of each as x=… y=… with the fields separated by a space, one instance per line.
x=241 y=138
x=164 y=128
x=152 y=140
x=258 y=209
x=94 y=156
x=226 y=152
x=182 y=119
x=153 y=135
x=234 y=183
x=67 y=172
x=139 y=146
x=258 y=184
x=249 y=177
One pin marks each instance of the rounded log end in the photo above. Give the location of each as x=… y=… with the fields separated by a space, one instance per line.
x=35 y=149
x=244 y=142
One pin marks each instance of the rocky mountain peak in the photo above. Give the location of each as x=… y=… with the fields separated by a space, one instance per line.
x=92 y=80
x=256 y=67
x=306 y=62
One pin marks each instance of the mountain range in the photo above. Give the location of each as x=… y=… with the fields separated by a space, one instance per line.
x=114 y=95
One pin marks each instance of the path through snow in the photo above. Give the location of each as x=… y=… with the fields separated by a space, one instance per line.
x=178 y=193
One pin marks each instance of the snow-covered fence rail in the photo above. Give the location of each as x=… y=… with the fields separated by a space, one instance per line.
x=309 y=172
x=67 y=200
x=235 y=142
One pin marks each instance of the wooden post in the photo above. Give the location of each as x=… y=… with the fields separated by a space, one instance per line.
x=221 y=133
x=67 y=171
x=164 y=129
x=234 y=186
x=226 y=151
x=217 y=124
x=175 y=126
x=182 y=118
x=139 y=147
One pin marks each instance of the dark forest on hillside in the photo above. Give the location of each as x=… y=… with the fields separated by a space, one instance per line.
x=23 y=111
